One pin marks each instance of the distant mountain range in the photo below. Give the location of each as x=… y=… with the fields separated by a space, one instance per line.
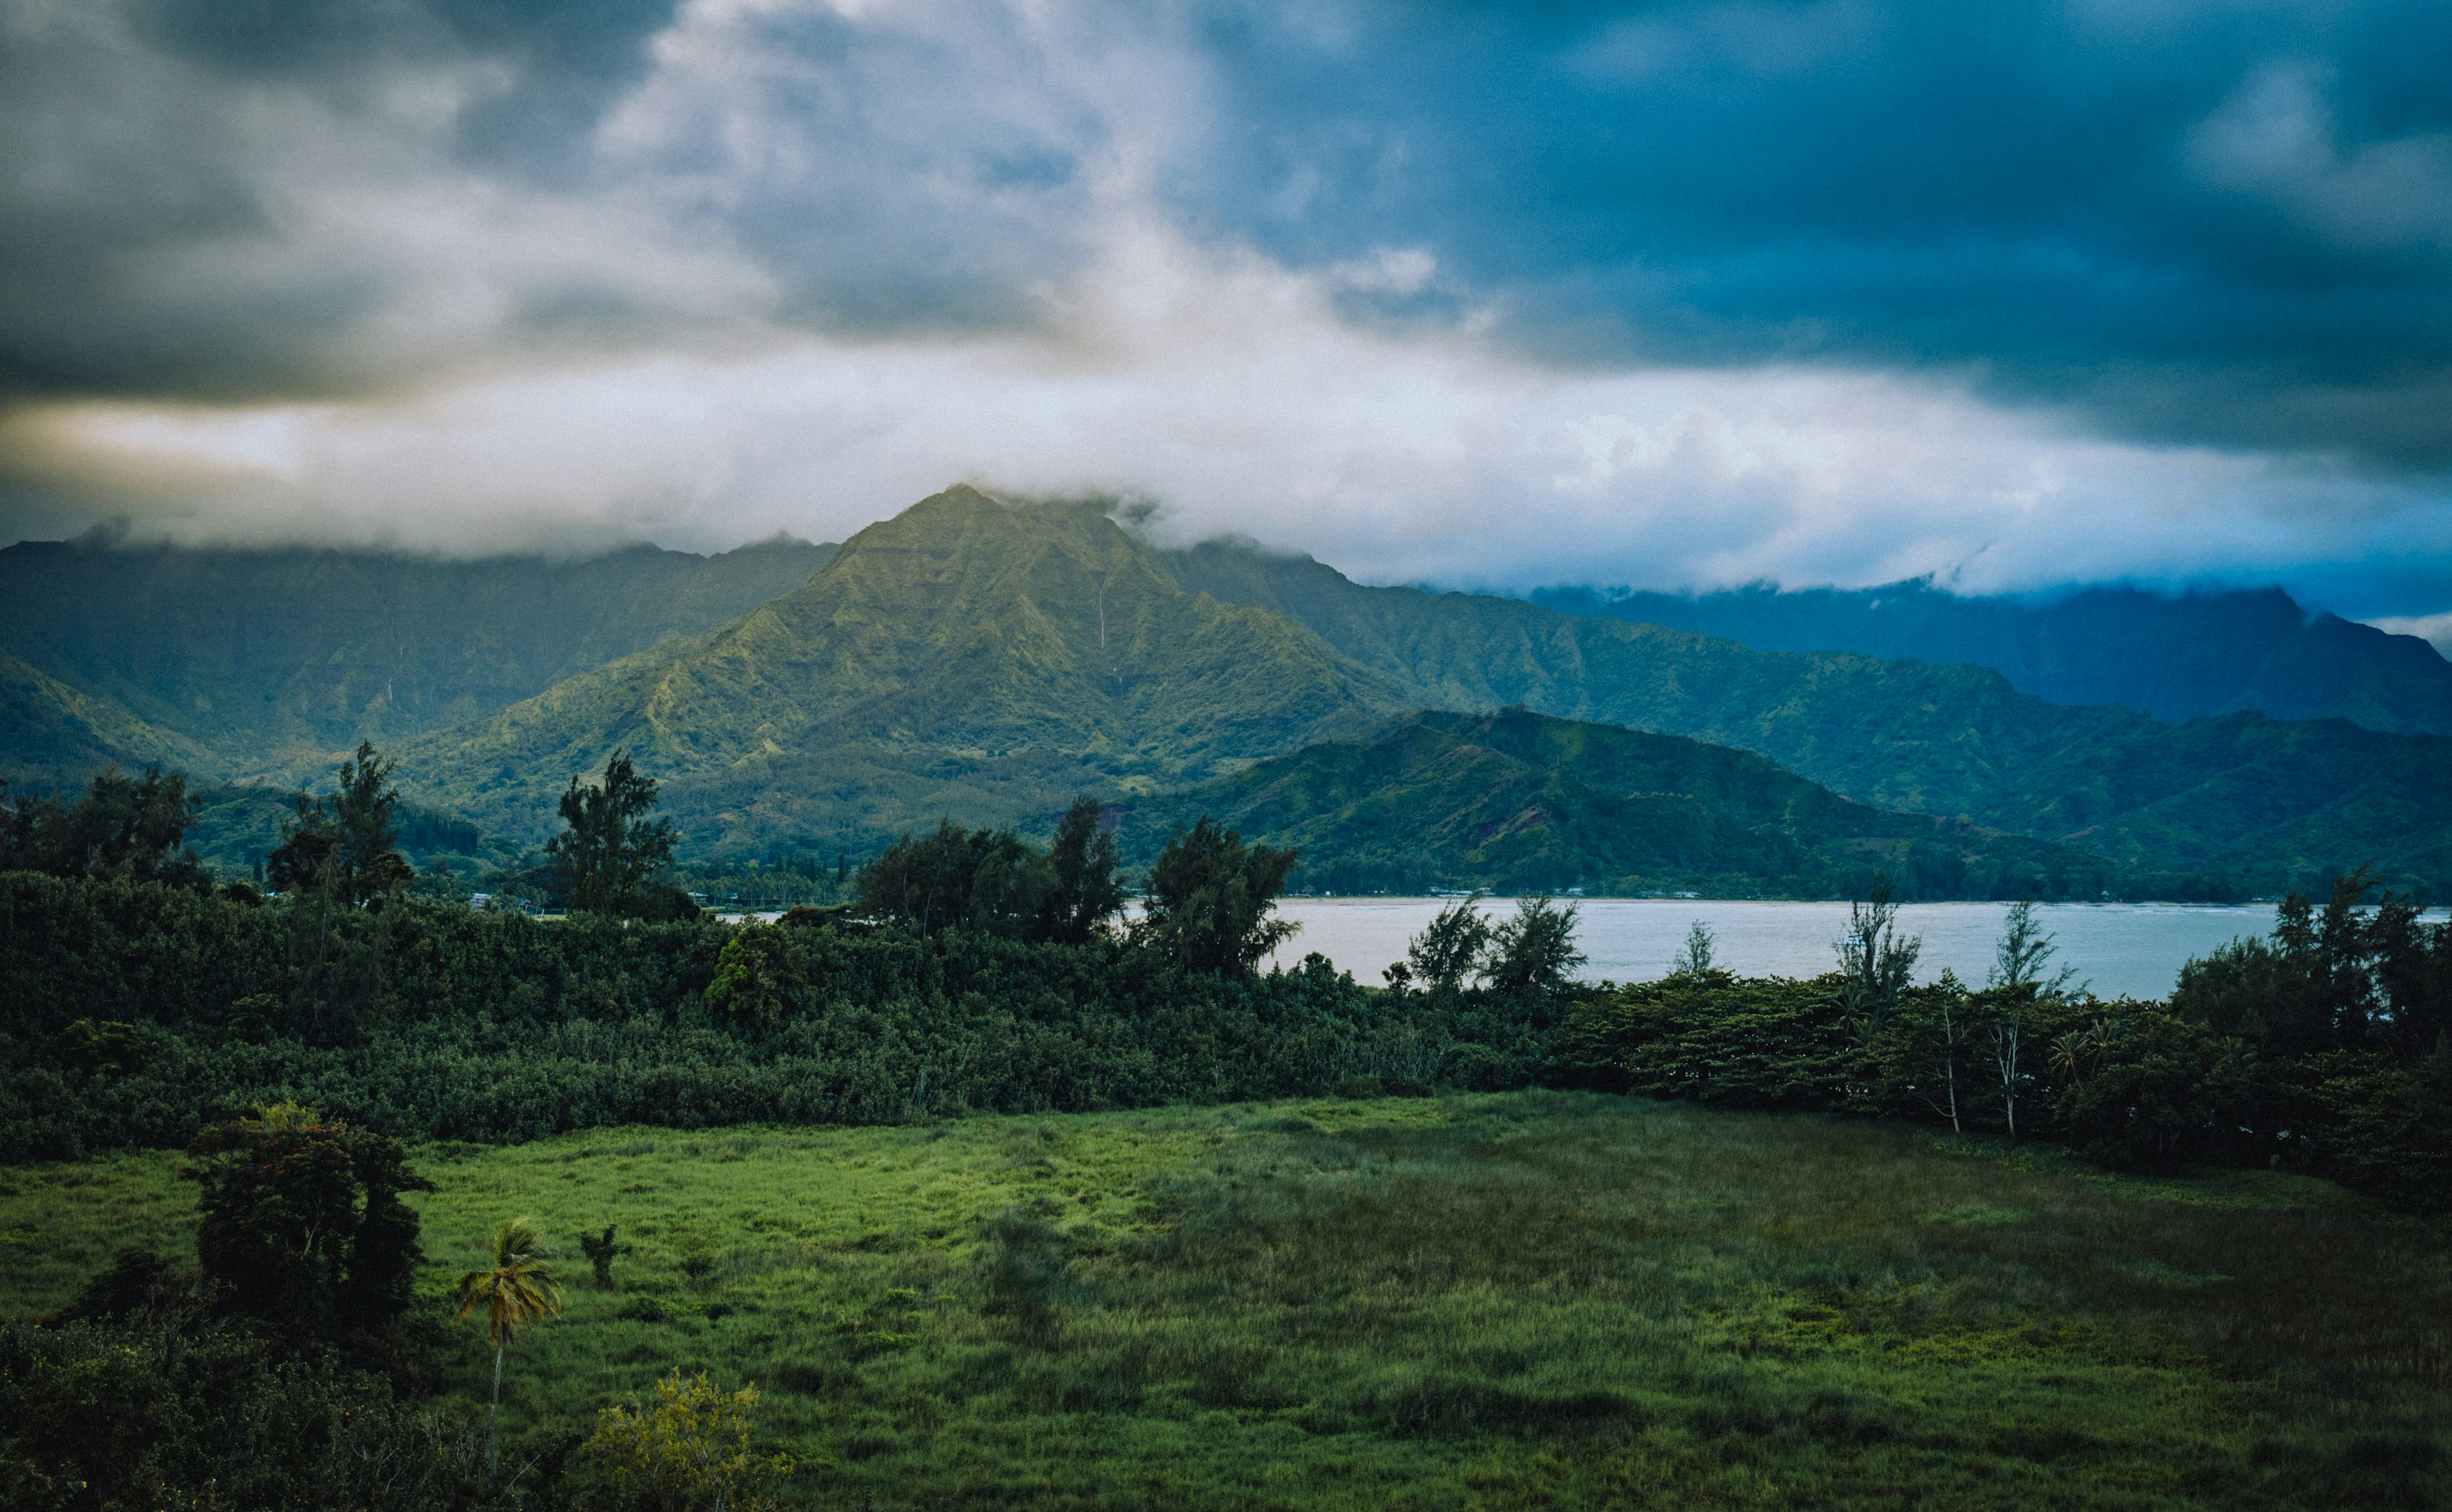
x=984 y=660
x=2174 y=656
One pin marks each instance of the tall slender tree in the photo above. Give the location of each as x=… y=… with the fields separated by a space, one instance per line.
x=516 y=1290
x=2017 y=981
x=1875 y=962
x=612 y=848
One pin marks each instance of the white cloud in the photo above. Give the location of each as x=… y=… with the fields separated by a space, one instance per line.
x=1008 y=155
x=1228 y=389
x=2435 y=628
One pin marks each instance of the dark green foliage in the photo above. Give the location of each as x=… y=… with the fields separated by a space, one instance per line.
x=1532 y=953
x=1210 y=896
x=601 y=1251
x=990 y=882
x=496 y=1027
x=1087 y=894
x=343 y=844
x=609 y=849
x=131 y=828
x=143 y=1412
x=2142 y=1087
x=1746 y=1042
x=1447 y=952
x=1876 y=964
x=300 y=1225
x=979 y=882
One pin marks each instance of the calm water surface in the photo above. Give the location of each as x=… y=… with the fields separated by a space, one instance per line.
x=2132 y=949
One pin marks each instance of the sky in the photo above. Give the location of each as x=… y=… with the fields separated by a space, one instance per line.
x=1665 y=295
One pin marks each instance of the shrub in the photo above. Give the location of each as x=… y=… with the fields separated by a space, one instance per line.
x=687 y=1452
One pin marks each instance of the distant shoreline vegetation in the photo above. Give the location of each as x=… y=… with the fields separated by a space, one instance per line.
x=972 y=971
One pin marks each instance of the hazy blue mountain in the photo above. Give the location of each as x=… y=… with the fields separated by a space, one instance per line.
x=1514 y=801
x=2195 y=808
x=2175 y=656
x=263 y=663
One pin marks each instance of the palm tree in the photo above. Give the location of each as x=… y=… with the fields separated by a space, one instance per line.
x=518 y=1291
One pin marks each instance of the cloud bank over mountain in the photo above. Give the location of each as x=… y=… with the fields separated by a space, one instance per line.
x=1675 y=294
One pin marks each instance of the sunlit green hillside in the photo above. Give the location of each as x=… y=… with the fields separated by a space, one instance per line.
x=966 y=658
x=1524 y=1301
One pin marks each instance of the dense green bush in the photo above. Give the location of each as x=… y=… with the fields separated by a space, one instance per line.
x=138 y=1413
x=439 y=1022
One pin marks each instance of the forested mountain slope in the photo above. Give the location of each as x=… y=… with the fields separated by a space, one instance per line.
x=952 y=662
x=966 y=659
x=1515 y=801
x=55 y=734
x=2174 y=656
x=260 y=662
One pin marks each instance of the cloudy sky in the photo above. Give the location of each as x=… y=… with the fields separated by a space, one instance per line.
x=1669 y=295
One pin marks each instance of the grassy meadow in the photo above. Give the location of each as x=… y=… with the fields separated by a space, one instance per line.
x=1522 y=1300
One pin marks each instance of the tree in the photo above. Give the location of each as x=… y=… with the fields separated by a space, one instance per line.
x=2017 y=984
x=1876 y=962
x=2142 y=1086
x=689 y=1452
x=1086 y=892
x=610 y=849
x=1533 y=955
x=133 y=829
x=1922 y=1047
x=301 y=1221
x=149 y=1410
x=1449 y=949
x=344 y=844
x=1210 y=897
x=601 y=1250
x=1696 y=958
x=517 y=1289
x=979 y=882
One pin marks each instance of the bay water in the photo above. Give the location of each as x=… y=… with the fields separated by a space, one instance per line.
x=2120 y=949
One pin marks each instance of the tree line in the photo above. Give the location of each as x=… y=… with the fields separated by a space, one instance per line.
x=2325 y=1047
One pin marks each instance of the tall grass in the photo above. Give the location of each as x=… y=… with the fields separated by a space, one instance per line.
x=1527 y=1299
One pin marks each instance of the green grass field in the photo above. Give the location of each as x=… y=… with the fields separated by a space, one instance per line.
x=1528 y=1300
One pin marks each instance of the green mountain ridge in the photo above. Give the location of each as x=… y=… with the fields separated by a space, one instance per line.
x=1516 y=801
x=258 y=664
x=984 y=660
x=57 y=733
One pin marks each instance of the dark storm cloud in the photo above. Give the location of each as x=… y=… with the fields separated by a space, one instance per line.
x=219 y=201
x=1684 y=293
x=2228 y=224
x=2220 y=223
